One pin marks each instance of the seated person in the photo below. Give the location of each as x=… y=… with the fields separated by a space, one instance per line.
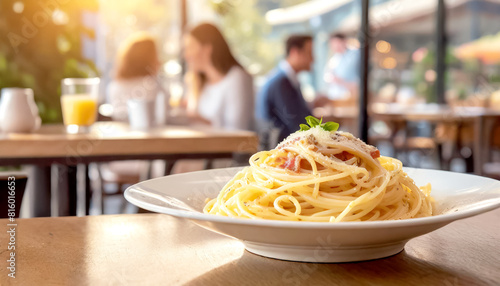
x=220 y=89
x=280 y=101
x=342 y=70
x=136 y=77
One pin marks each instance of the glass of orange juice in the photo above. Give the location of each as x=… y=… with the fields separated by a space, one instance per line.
x=79 y=103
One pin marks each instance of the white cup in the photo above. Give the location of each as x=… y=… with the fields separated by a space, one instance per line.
x=141 y=113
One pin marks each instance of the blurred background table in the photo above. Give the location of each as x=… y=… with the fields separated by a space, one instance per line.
x=116 y=141
x=457 y=127
x=453 y=128
x=156 y=249
x=110 y=141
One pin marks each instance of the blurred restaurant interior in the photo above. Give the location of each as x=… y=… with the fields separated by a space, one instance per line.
x=250 y=142
x=427 y=91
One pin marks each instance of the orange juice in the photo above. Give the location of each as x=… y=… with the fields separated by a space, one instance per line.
x=79 y=109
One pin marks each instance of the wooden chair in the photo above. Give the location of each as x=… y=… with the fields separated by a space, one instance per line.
x=451 y=138
x=403 y=143
x=119 y=173
x=489 y=160
x=268 y=134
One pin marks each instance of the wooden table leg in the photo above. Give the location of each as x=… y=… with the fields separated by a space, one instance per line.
x=38 y=191
x=54 y=191
x=208 y=164
x=98 y=189
x=59 y=197
x=81 y=189
x=169 y=165
x=477 y=148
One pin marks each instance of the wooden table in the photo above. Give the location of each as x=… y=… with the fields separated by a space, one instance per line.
x=155 y=249
x=476 y=117
x=110 y=141
x=116 y=141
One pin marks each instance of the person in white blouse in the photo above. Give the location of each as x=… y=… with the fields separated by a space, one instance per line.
x=136 y=77
x=221 y=91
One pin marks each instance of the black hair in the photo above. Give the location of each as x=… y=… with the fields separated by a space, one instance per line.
x=296 y=41
x=338 y=36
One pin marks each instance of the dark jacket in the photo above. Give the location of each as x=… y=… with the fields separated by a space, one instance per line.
x=281 y=104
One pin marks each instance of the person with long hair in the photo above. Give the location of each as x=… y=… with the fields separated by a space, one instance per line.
x=221 y=91
x=135 y=77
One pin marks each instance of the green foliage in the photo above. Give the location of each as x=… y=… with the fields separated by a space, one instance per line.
x=428 y=63
x=330 y=126
x=245 y=27
x=37 y=52
x=462 y=76
x=304 y=127
x=313 y=122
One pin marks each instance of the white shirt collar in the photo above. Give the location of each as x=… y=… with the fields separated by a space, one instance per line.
x=290 y=73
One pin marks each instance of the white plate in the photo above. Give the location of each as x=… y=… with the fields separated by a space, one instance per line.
x=457 y=196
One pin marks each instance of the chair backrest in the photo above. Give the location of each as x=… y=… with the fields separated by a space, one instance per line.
x=268 y=134
x=489 y=141
x=495 y=136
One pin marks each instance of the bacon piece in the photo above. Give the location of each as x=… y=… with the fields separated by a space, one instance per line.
x=289 y=164
x=375 y=154
x=292 y=164
x=344 y=156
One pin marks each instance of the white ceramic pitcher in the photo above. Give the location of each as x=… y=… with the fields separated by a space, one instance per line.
x=18 y=111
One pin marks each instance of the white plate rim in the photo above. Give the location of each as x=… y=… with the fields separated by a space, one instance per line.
x=197 y=215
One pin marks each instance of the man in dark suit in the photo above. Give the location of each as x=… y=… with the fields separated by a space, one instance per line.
x=280 y=101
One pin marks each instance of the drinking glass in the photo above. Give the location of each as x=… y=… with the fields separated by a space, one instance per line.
x=141 y=113
x=79 y=103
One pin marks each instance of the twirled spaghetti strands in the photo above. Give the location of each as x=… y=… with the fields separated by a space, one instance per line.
x=322 y=176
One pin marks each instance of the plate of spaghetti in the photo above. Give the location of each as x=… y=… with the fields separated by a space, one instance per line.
x=321 y=195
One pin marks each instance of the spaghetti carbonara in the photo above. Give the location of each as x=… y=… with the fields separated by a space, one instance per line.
x=322 y=176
